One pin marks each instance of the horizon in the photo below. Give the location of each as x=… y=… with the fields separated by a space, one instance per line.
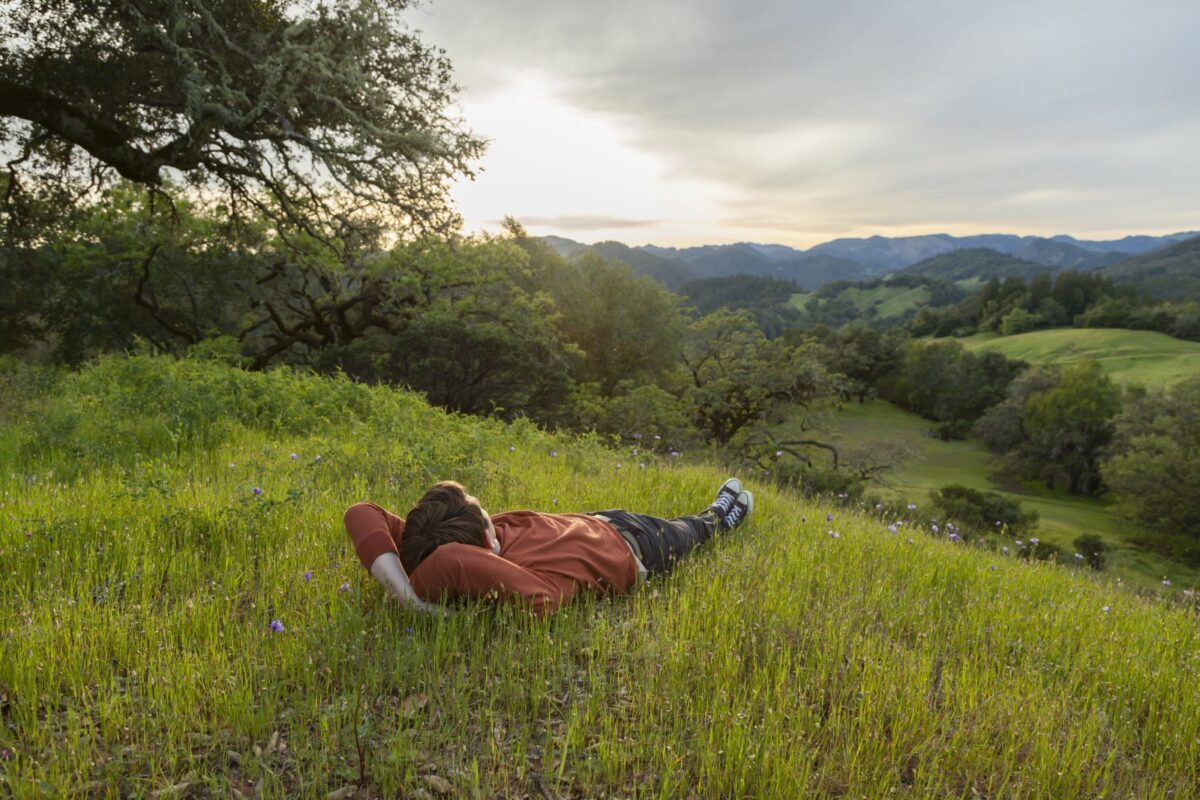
x=816 y=123
x=865 y=237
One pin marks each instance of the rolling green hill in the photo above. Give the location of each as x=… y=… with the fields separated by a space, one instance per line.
x=974 y=266
x=1169 y=273
x=157 y=516
x=937 y=463
x=1146 y=357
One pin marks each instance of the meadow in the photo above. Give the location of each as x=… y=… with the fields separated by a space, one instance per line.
x=1129 y=357
x=888 y=301
x=936 y=463
x=157 y=516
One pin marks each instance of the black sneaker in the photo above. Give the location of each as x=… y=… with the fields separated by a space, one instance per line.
x=740 y=512
x=727 y=495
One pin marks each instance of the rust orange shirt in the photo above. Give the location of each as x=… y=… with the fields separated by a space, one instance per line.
x=544 y=560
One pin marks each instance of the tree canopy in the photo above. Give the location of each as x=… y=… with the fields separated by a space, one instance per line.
x=314 y=112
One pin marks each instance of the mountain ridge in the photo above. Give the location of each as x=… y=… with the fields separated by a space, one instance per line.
x=863 y=258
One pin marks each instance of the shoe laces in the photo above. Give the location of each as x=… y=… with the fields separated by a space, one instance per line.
x=735 y=515
x=724 y=502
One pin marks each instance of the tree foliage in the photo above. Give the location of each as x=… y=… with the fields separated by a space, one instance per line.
x=1154 y=468
x=1054 y=426
x=737 y=376
x=318 y=114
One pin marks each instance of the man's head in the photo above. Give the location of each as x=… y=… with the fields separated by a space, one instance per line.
x=445 y=514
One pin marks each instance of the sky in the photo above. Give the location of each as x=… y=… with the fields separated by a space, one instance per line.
x=796 y=122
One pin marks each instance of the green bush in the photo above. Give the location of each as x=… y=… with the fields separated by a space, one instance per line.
x=1093 y=549
x=1020 y=321
x=982 y=511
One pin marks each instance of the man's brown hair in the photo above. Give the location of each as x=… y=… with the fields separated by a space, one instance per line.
x=442 y=515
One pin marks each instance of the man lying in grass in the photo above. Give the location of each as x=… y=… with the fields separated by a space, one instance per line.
x=450 y=548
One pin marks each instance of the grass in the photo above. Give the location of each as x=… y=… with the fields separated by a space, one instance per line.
x=141 y=572
x=889 y=301
x=1145 y=357
x=1063 y=517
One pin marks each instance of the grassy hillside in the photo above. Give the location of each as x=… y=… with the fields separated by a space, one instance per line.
x=1146 y=357
x=142 y=571
x=975 y=265
x=888 y=301
x=1169 y=273
x=1063 y=517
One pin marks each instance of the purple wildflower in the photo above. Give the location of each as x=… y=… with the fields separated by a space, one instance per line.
x=257 y=491
x=1079 y=556
x=294 y=456
x=829 y=517
x=1166 y=581
x=912 y=506
x=277 y=626
x=1106 y=609
x=892 y=529
x=954 y=537
x=1004 y=550
x=232 y=466
x=1034 y=540
x=834 y=535
x=935 y=528
x=554 y=501
x=5 y=754
x=637 y=436
x=318 y=458
x=1020 y=543
x=512 y=449
x=308 y=576
x=674 y=454
x=804 y=519
x=997 y=523
x=345 y=587
x=554 y=454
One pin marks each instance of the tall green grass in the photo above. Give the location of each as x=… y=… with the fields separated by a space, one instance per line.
x=142 y=572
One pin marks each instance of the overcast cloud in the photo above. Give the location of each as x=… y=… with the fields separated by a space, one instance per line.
x=818 y=119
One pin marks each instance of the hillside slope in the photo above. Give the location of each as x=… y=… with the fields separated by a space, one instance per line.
x=1171 y=273
x=142 y=570
x=1146 y=357
x=974 y=266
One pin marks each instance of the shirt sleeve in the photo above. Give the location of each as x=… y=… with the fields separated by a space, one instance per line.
x=461 y=570
x=373 y=530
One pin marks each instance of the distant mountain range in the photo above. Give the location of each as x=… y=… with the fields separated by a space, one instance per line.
x=858 y=259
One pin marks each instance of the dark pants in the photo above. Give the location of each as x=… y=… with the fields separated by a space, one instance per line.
x=663 y=541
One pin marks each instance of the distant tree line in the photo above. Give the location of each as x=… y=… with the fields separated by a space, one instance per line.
x=1071 y=298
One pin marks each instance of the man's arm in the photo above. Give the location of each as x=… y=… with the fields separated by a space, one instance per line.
x=388 y=571
x=456 y=570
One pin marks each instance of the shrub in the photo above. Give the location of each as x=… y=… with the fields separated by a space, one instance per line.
x=1019 y=321
x=1093 y=549
x=982 y=511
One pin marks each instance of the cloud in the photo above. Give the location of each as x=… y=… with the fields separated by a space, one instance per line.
x=586 y=222
x=849 y=115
